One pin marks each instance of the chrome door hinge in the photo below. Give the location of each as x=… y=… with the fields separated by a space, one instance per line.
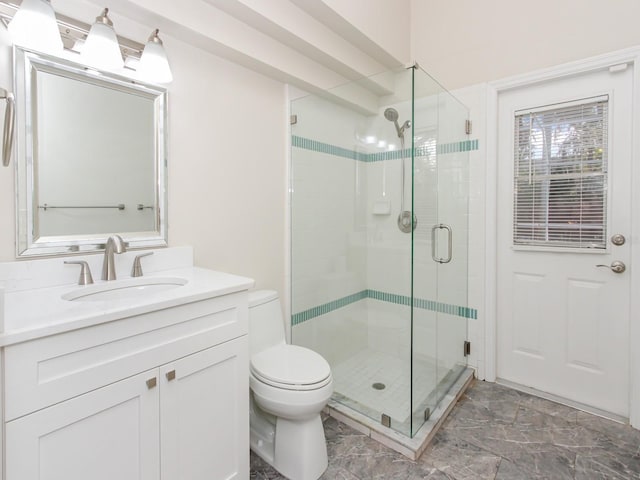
x=468 y=127
x=467 y=348
x=386 y=420
x=293 y=119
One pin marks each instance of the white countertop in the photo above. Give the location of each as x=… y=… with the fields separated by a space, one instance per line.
x=30 y=314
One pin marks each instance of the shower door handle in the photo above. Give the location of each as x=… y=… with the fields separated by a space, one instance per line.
x=441 y=226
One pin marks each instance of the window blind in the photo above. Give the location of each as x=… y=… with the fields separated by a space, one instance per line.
x=560 y=175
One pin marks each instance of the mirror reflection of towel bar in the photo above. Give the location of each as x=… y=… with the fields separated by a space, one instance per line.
x=45 y=207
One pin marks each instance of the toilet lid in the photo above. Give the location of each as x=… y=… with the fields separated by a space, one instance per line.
x=291 y=366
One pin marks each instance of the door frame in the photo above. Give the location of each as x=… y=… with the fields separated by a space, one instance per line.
x=631 y=57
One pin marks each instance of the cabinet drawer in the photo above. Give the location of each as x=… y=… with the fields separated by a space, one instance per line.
x=48 y=370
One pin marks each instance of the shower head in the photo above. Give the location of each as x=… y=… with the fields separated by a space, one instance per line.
x=391 y=114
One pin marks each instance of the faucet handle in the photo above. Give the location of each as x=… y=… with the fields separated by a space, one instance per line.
x=136 y=271
x=85 y=271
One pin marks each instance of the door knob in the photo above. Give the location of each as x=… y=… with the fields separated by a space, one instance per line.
x=618 y=239
x=616 y=266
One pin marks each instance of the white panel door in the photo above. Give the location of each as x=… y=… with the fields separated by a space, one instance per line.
x=110 y=433
x=563 y=323
x=204 y=414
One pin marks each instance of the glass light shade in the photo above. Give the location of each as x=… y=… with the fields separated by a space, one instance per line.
x=101 y=48
x=34 y=26
x=154 y=65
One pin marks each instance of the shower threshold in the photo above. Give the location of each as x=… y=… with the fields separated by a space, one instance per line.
x=409 y=447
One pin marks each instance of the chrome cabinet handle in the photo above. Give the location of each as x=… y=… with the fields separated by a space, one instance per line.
x=616 y=266
x=449 y=243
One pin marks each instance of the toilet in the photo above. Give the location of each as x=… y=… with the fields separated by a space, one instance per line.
x=290 y=385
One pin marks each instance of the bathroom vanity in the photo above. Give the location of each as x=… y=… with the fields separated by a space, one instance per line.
x=146 y=383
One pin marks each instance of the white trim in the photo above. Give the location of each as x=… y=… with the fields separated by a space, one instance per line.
x=491 y=235
x=286 y=295
x=634 y=313
x=629 y=56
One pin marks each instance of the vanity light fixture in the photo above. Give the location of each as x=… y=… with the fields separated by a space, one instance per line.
x=75 y=40
x=34 y=26
x=154 y=65
x=101 y=49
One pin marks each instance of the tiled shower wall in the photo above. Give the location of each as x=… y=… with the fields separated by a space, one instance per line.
x=328 y=243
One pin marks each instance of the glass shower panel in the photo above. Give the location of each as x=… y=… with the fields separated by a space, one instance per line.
x=351 y=266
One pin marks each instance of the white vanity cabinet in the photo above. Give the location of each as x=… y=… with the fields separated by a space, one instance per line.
x=160 y=395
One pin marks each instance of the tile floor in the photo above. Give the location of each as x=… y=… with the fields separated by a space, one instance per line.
x=494 y=432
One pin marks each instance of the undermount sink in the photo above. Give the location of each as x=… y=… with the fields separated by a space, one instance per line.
x=129 y=288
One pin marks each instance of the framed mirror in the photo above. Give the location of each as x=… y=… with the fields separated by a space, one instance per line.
x=90 y=157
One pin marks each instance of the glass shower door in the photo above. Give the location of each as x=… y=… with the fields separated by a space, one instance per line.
x=452 y=241
x=439 y=255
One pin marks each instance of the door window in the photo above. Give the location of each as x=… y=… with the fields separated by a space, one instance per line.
x=560 y=175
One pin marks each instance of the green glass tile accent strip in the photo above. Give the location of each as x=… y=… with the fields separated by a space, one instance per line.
x=464 y=312
x=320 y=147
x=424 y=304
x=389 y=155
x=315 y=146
x=305 y=315
x=456 y=147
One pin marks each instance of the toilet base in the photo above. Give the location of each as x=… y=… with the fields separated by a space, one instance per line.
x=298 y=449
x=301 y=449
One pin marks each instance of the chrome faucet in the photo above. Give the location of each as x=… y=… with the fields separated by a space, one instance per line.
x=115 y=244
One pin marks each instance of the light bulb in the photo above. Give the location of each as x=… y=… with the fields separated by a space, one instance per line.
x=34 y=26
x=154 y=65
x=101 y=49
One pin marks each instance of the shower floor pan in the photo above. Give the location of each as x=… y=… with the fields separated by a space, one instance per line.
x=359 y=400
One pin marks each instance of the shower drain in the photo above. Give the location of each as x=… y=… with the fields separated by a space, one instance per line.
x=379 y=386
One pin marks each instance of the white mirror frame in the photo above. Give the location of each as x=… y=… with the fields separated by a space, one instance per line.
x=25 y=64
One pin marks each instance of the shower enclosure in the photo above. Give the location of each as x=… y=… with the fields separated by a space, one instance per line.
x=379 y=203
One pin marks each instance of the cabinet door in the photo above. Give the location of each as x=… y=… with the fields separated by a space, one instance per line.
x=204 y=414
x=107 y=434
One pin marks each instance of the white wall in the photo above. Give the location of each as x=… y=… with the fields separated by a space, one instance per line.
x=465 y=42
x=385 y=22
x=227 y=185
x=227 y=181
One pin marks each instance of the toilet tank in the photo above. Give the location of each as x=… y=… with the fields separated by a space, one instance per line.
x=266 y=326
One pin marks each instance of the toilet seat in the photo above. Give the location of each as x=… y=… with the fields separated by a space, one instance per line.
x=291 y=367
